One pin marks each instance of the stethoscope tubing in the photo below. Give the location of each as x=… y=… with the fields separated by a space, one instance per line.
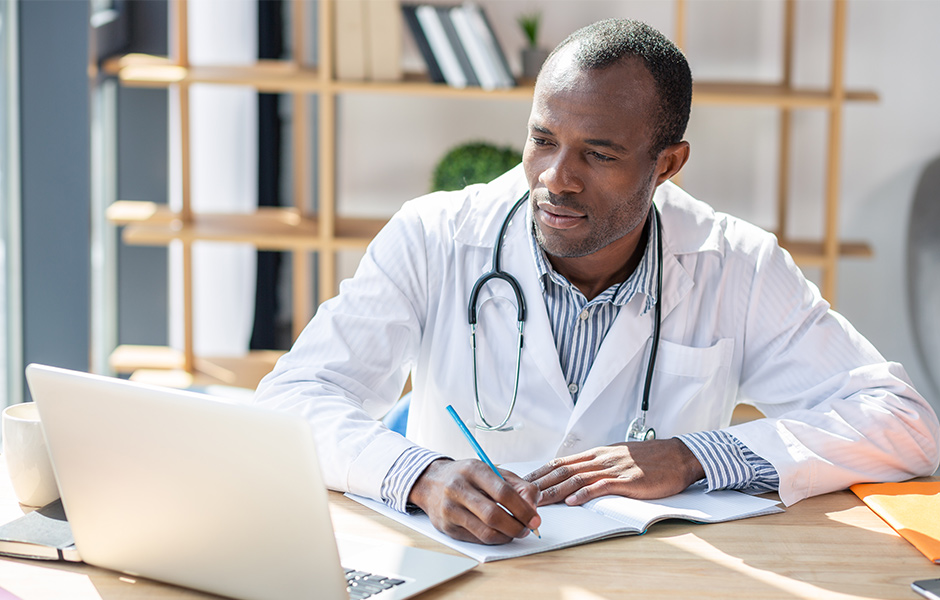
x=637 y=430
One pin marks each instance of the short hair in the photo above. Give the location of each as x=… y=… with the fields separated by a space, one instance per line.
x=604 y=43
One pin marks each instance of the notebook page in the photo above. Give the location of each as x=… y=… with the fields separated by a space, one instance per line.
x=694 y=504
x=562 y=526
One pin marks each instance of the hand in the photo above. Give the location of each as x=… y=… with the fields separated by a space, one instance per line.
x=463 y=500
x=645 y=470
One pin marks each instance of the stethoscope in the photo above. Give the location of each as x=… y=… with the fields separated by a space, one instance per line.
x=637 y=431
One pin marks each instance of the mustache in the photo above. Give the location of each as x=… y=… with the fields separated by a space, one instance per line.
x=559 y=200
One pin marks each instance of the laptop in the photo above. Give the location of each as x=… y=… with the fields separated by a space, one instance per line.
x=204 y=493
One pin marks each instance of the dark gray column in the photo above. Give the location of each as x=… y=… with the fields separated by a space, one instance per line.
x=55 y=143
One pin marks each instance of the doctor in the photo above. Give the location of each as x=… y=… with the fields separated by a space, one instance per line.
x=631 y=287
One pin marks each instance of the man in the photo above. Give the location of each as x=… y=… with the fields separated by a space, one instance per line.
x=736 y=322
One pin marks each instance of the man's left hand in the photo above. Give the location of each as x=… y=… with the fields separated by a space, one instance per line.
x=644 y=470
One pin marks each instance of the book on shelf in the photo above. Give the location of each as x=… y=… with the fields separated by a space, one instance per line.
x=409 y=11
x=485 y=70
x=41 y=534
x=481 y=26
x=458 y=45
x=384 y=32
x=430 y=20
x=469 y=73
x=368 y=37
x=349 y=26
x=602 y=518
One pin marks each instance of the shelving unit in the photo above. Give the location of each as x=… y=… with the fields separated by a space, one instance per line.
x=303 y=231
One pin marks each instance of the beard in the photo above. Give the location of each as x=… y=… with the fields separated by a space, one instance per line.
x=621 y=217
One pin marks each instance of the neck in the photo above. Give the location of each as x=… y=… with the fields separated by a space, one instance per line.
x=594 y=273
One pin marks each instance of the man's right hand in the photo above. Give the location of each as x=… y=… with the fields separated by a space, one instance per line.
x=468 y=502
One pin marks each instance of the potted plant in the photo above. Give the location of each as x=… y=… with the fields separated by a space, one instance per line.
x=532 y=55
x=473 y=162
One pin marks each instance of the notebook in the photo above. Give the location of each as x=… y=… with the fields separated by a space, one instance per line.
x=196 y=491
x=602 y=518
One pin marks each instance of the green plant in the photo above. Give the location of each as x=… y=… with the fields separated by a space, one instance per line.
x=530 y=27
x=473 y=162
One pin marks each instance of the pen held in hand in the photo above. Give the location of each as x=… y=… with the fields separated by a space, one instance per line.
x=479 y=449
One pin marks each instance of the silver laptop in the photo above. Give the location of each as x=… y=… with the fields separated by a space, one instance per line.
x=192 y=490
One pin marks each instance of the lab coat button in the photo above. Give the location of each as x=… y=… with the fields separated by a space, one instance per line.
x=570 y=441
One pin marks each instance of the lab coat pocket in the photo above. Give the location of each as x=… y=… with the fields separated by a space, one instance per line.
x=690 y=386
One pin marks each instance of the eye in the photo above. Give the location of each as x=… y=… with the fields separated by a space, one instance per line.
x=538 y=141
x=601 y=157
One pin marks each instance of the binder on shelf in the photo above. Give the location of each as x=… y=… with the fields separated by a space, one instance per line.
x=350 y=59
x=409 y=11
x=469 y=73
x=384 y=39
x=430 y=22
x=485 y=70
x=480 y=25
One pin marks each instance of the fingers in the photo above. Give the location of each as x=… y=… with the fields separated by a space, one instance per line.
x=653 y=469
x=467 y=501
x=562 y=477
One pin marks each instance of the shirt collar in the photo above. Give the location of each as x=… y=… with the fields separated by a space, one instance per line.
x=641 y=281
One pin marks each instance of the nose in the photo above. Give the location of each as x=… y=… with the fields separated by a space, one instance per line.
x=560 y=175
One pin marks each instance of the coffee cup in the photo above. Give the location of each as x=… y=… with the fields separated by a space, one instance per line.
x=26 y=455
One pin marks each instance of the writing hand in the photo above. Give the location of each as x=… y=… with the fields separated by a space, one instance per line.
x=463 y=500
x=644 y=470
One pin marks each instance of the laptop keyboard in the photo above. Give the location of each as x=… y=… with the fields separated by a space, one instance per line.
x=361 y=585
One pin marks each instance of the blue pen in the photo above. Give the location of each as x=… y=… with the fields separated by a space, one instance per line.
x=479 y=449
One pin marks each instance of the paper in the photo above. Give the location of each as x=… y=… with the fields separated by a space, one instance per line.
x=563 y=526
x=911 y=508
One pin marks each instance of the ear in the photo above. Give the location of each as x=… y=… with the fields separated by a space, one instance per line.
x=671 y=160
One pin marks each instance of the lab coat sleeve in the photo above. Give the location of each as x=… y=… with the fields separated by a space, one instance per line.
x=837 y=412
x=348 y=366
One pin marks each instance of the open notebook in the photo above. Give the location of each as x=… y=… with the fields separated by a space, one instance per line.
x=563 y=526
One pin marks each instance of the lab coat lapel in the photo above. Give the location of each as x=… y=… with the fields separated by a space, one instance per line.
x=630 y=333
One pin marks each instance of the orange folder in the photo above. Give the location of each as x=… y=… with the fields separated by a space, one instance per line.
x=912 y=508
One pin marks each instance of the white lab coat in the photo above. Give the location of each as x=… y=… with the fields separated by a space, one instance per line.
x=740 y=324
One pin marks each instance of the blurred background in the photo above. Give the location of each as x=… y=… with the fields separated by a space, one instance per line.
x=81 y=130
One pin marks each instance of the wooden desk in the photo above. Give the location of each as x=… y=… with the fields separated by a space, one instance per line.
x=831 y=546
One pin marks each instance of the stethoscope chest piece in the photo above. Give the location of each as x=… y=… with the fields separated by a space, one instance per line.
x=639 y=432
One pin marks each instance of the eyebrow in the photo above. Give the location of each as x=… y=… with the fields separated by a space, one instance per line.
x=602 y=143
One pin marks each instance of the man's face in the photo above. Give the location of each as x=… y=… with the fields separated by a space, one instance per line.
x=587 y=157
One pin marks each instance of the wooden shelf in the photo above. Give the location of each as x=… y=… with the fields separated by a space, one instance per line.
x=160 y=365
x=282 y=76
x=813 y=254
x=290 y=229
x=150 y=224
x=774 y=95
x=142 y=70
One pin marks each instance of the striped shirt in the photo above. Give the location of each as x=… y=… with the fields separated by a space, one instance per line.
x=579 y=327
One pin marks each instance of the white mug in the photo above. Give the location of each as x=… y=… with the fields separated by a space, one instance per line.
x=27 y=457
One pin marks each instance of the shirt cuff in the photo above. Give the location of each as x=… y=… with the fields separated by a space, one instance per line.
x=729 y=464
x=402 y=476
